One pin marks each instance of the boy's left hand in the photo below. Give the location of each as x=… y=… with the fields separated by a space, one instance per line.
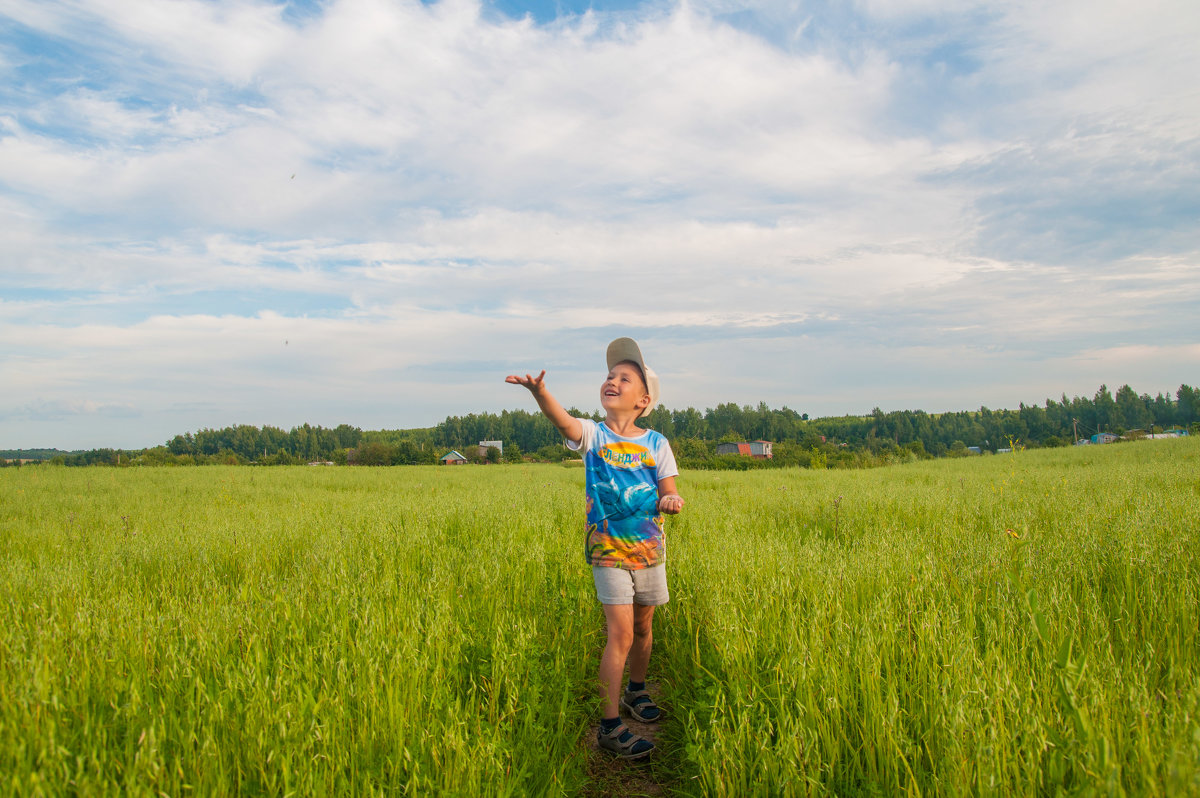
x=670 y=504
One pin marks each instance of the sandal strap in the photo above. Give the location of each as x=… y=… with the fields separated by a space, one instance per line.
x=624 y=742
x=634 y=697
x=616 y=734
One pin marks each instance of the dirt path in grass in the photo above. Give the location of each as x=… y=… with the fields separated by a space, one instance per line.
x=613 y=777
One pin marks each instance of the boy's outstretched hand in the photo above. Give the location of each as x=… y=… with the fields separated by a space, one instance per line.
x=568 y=426
x=534 y=384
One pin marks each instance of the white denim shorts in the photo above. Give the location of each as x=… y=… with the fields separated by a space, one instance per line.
x=647 y=587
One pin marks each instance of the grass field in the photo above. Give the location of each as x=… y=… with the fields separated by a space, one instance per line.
x=1012 y=624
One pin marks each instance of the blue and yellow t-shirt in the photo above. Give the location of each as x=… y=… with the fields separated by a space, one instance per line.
x=624 y=527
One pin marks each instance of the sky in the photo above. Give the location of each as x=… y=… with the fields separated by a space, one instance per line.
x=371 y=211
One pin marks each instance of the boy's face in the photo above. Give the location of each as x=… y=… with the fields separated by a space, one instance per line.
x=624 y=389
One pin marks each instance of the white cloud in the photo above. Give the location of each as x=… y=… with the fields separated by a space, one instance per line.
x=907 y=200
x=59 y=409
x=378 y=92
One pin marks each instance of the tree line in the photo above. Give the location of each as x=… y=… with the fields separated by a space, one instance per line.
x=798 y=440
x=1052 y=424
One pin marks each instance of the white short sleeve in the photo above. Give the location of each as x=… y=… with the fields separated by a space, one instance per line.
x=587 y=429
x=665 y=459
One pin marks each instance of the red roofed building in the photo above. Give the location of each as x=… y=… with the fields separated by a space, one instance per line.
x=759 y=450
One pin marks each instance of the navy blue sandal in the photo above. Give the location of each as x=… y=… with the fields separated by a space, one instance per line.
x=641 y=706
x=624 y=743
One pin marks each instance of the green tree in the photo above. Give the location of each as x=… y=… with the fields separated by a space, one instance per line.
x=725 y=419
x=1107 y=415
x=374 y=453
x=1187 y=406
x=691 y=449
x=1134 y=409
x=690 y=423
x=661 y=420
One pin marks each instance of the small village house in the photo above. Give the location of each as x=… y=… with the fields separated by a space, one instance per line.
x=759 y=450
x=453 y=458
x=485 y=445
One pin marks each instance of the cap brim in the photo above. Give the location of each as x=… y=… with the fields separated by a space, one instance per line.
x=651 y=388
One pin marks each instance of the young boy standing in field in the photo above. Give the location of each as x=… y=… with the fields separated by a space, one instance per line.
x=630 y=483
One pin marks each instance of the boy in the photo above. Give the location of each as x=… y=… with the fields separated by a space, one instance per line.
x=630 y=481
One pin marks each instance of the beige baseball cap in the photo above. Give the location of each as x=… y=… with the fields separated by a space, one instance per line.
x=627 y=349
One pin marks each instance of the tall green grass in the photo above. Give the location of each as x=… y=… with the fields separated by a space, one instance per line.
x=1020 y=623
x=307 y=631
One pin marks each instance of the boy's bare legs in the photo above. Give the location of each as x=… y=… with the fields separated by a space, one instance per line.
x=619 y=620
x=643 y=639
x=629 y=637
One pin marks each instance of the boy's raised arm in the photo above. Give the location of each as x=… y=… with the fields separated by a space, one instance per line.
x=567 y=424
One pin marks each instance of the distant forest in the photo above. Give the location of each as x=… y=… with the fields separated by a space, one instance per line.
x=838 y=441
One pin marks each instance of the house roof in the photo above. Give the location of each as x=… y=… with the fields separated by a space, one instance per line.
x=453 y=455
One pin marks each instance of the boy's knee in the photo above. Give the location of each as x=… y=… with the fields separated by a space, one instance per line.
x=621 y=638
x=643 y=630
x=622 y=641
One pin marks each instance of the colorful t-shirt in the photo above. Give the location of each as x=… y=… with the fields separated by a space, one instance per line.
x=624 y=527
